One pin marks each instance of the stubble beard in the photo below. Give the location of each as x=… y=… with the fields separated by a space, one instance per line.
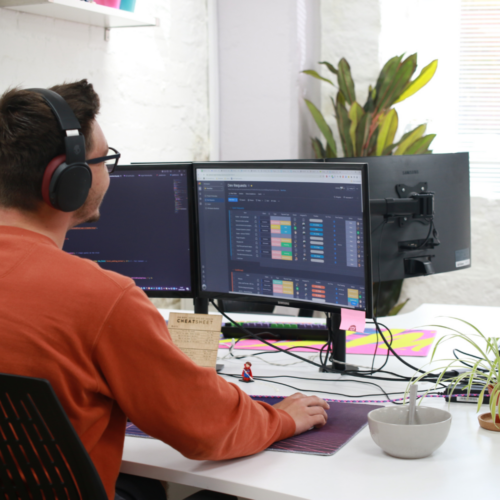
x=89 y=211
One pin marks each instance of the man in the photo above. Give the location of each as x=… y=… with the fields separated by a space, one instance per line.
x=92 y=333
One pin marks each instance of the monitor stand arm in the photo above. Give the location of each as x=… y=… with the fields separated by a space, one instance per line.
x=200 y=305
x=417 y=205
x=338 y=338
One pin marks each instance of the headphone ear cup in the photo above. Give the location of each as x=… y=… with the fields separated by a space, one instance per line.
x=47 y=177
x=66 y=187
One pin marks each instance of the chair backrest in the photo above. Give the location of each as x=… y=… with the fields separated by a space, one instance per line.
x=41 y=455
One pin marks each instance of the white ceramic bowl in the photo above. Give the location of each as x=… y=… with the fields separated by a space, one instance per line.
x=390 y=430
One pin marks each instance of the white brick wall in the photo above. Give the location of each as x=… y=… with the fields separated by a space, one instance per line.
x=152 y=81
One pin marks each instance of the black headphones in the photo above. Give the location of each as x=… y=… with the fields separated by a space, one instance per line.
x=67 y=178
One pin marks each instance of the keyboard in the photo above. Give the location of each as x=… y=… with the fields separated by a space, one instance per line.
x=277 y=331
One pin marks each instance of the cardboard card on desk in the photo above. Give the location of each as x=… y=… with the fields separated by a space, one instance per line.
x=345 y=420
x=197 y=336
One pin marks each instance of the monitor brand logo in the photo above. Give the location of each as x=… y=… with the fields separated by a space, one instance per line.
x=408 y=172
x=283 y=303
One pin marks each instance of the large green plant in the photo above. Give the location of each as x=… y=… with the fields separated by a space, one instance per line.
x=370 y=130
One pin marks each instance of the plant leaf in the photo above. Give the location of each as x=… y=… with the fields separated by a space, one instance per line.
x=330 y=67
x=372 y=144
x=423 y=79
x=385 y=78
x=343 y=123
x=420 y=145
x=388 y=127
x=355 y=114
x=329 y=152
x=323 y=126
x=311 y=72
x=395 y=310
x=346 y=83
x=400 y=80
x=370 y=100
x=319 y=150
x=410 y=139
x=362 y=130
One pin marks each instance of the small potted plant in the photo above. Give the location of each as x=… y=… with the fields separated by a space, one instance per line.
x=477 y=368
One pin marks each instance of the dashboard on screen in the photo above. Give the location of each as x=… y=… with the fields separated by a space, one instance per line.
x=292 y=234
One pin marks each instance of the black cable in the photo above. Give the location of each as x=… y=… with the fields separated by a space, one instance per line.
x=253 y=335
x=431 y=222
x=467 y=364
x=382 y=225
x=426 y=377
x=268 y=379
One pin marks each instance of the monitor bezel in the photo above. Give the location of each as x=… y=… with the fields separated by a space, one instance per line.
x=188 y=168
x=302 y=304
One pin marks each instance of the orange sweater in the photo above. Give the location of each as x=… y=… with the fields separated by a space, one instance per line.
x=108 y=354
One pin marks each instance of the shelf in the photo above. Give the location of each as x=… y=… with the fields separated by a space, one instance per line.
x=82 y=12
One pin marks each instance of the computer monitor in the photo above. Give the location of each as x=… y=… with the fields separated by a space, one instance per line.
x=292 y=234
x=145 y=230
x=404 y=244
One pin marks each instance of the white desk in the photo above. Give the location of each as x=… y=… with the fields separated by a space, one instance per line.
x=464 y=467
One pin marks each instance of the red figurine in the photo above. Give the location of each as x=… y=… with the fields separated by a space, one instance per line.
x=247 y=372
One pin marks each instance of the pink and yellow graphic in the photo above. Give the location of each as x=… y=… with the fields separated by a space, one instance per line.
x=404 y=342
x=283 y=288
x=281 y=238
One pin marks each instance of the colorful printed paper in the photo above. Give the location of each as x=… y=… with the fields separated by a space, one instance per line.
x=405 y=342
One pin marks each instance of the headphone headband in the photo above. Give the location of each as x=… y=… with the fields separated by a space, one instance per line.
x=74 y=142
x=67 y=178
x=61 y=109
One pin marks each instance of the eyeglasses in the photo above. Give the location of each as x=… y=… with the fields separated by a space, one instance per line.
x=110 y=159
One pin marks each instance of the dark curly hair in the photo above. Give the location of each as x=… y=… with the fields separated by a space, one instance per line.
x=30 y=137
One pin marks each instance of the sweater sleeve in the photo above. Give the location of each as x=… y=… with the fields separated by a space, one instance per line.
x=171 y=398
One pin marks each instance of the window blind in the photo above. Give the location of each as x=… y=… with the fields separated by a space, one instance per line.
x=479 y=93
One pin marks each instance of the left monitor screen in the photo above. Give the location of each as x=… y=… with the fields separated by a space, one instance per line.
x=144 y=231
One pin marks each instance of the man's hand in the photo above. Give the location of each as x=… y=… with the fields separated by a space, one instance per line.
x=307 y=411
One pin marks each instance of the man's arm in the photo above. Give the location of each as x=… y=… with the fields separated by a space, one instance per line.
x=189 y=407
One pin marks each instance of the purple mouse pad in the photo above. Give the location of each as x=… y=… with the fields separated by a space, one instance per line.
x=345 y=420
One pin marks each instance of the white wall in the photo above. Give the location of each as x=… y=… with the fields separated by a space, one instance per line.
x=403 y=28
x=152 y=82
x=263 y=47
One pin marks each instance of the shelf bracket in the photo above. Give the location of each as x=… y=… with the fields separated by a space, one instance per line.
x=106 y=34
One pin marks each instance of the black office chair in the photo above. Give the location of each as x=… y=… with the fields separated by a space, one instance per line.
x=37 y=438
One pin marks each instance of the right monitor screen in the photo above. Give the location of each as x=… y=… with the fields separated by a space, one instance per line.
x=291 y=234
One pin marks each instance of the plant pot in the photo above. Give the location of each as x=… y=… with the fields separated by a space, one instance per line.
x=486 y=422
x=490 y=390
